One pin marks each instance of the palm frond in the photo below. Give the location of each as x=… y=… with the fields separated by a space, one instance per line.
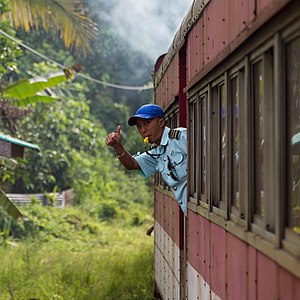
x=68 y=17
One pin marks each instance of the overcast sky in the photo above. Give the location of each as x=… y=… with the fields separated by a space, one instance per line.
x=149 y=25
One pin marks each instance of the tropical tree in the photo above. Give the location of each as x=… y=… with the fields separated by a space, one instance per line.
x=68 y=17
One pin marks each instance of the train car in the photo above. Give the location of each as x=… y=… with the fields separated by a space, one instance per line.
x=232 y=77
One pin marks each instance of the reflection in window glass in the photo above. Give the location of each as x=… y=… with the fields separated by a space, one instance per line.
x=203 y=144
x=293 y=134
x=218 y=148
x=234 y=93
x=259 y=139
x=193 y=147
x=223 y=112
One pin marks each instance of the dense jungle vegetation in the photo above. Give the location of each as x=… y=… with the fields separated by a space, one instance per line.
x=97 y=249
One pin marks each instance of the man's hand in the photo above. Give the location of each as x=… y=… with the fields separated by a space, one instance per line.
x=114 y=139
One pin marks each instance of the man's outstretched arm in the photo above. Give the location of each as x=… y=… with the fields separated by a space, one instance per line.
x=114 y=140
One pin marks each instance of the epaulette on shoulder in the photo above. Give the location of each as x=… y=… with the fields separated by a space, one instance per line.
x=174 y=134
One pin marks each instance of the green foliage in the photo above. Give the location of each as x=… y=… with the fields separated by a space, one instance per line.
x=65 y=17
x=61 y=131
x=106 y=190
x=9 y=50
x=9 y=206
x=27 y=91
x=67 y=254
x=5 y=239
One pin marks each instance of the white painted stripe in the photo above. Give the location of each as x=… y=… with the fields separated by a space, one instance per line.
x=166 y=264
x=167 y=271
x=196 y=287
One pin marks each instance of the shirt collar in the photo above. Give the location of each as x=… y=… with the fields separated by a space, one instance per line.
x=165 y=137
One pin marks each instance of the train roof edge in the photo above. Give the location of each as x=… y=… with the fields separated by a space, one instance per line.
x=191 y=17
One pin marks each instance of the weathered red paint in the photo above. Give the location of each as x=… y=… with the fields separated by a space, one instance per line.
x=195 y=53
x=204 y=249
x=252 y=278
x=193 y=240
x=218 y=261
x=267 y=272
x=236 y=268
x=286 y=285
x=242 y=13
x=167 y=213
x=216 y=29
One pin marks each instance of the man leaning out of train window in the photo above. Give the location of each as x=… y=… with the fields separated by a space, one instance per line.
x=167 y=154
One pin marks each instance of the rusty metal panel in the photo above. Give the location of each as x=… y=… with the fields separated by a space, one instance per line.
x=157 y=265
x=163 y=95
x=159 y=200
x=177 y=262
x=176 y=224
x=286 y=283
x=167 y=253
x=236 y=268
x=242 y=13
x=170 y=218
x=193 y=283
x=266 y=277
x=218 y=261
x=165 y=277
x=204 y=253
x=289 y=286
x=172 y=79
x=252 y=278
x=193 y=240
x=195 y=50
x=156 y=206
x=167 y=217
x=176 y=76
x=297 y=289
x=262 y=5
x=189 y=58
x=216 y=28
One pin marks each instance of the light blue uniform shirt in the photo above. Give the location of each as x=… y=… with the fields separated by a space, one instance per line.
x=169 y=157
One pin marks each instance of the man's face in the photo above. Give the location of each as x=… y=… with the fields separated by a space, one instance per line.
x=151 y=128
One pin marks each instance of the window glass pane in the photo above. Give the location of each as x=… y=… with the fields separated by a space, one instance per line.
x=218 y=147
x=234 y=94
x=215 y=146
x=195 y=146
x=193 y=149
x=293 y=134
x=222 y=118
x=259 y=139
x=203 y=144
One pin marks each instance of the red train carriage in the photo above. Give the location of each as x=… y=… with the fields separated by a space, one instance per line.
x=232 y=77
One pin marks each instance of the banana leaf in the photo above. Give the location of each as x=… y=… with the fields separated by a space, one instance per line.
x=8 y=206
x=37 y=98
x=26 y=88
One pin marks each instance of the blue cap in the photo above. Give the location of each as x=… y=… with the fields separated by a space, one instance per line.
x=147 y=111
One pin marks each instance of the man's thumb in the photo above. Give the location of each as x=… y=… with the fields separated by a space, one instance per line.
x=119 y=130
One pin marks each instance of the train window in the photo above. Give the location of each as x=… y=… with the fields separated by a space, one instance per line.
x=262 y=149
x=198 y=149
x=236 y=89
x=203 y=147
x=292 y=53
x=218 y=146
x=259 y=138
x=193 y=150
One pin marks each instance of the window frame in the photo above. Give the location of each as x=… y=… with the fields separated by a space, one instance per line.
x=215 y=103
x=290 y=240
x=240 y=73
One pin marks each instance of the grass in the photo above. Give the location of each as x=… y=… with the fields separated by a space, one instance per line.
x=70 y=255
